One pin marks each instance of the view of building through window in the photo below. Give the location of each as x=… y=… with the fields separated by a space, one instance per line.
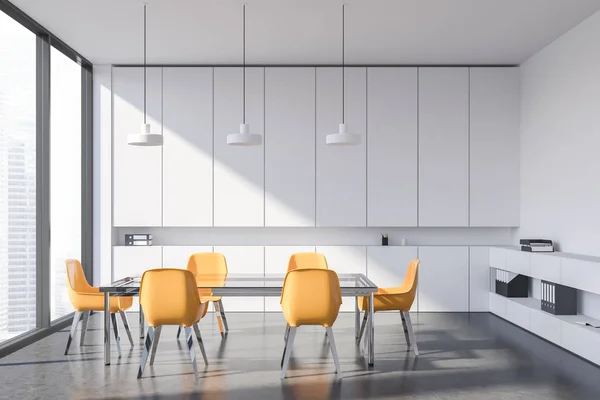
x=17 y=179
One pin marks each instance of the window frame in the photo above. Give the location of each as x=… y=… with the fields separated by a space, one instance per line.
x=44 y=41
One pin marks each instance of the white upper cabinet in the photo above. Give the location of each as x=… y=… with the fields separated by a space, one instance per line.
x=187 y=149
x=494 y=118
x=290 y=147
x=137 y=176
x=443 y=146
x=238 y=170
x=341 y=170
x=392 y=147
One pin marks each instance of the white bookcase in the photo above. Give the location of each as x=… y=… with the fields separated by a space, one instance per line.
x=576 y=271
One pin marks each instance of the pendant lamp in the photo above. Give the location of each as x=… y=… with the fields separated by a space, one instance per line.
x=244 y=137
x=144 y=137
x=343 y=137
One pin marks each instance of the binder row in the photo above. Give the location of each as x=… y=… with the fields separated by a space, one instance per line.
x=144 y=239
x=503 y=276
x=548 y=296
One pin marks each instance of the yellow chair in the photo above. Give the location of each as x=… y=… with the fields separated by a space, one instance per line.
x=310 y=297
x=211 y=270
x=86 y=298
x=307 y=260
x=170 y=297
x=304 y=261
x=398 y=298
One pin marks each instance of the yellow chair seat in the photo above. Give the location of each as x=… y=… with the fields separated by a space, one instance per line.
x=209 y=298
x=385 y=300
x=95 y=302
x=399 y=298
x=88 y=298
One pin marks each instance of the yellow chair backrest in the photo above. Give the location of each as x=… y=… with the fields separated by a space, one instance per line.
x=208 y=268
x=208 y=264
x=307 y=260
x=169 y=297
x=76 y=280
x=411 y=279
x=311 y=297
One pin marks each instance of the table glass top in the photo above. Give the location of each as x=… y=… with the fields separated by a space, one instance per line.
x=242 y=281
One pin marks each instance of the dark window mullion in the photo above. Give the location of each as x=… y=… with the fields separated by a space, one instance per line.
x=87 y=174
x=43 y=182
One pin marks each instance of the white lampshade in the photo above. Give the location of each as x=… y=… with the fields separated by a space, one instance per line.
x=342 y=138
x=145 y=138
x=244 y=138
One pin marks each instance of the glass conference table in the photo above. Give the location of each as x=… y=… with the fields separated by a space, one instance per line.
x=247 y=285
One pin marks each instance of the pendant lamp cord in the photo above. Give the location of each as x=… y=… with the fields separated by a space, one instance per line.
x=145 y=6
x=244 y=66
x=343 y=63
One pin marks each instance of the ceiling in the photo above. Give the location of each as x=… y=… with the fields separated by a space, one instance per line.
x=309 y=31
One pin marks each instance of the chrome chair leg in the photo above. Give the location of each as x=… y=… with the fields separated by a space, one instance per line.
x=142 y=323
x=178 y=331
x=157 y=331
x=146 y=351
x=411 y=333
x=84 y=325
x=362 y=328
x=126 y=325
x=201 y=343
x=287 y=352
x=365 y=343
x=405 y=328
x=334 y=353
x=113 y=317
x=190 y=344
x=222 y=310
x=356 y=319
x=287 y=332
x=76 y=317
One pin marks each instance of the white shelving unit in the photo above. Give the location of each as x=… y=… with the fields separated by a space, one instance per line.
x=576 y=271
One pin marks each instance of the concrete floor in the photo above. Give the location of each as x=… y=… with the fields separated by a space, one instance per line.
x=463 y=356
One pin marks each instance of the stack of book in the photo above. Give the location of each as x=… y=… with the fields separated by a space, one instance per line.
x=537 y=245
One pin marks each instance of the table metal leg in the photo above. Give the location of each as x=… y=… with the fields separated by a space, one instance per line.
x=356 y=319
x=142 y=323
x=371 y=329
x=106 y=328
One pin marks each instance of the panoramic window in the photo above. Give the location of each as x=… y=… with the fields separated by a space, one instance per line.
x=17 y=178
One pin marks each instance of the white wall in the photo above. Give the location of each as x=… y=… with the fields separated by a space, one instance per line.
x=560 y=141
x=294 y=190
x=102 y=185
